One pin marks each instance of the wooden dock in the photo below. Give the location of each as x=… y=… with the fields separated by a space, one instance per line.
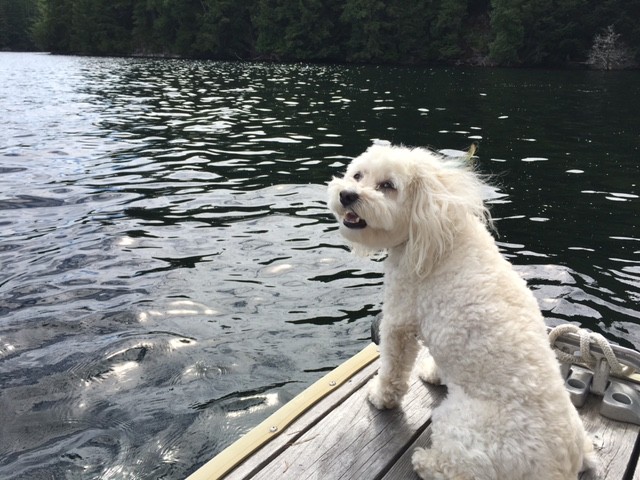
x=330 y=431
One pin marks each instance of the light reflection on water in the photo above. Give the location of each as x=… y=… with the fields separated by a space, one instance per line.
x=170 y=274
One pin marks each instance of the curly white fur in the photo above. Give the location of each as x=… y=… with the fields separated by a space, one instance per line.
x=507 y=415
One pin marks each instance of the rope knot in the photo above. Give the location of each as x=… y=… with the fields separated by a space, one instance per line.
x=584 y=355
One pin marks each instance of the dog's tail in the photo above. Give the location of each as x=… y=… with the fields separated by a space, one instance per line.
x=590 y=460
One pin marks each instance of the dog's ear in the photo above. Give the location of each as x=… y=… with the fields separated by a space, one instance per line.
x=443 y=199
x=430 y=231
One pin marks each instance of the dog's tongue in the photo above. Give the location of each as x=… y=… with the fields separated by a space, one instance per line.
x=352 y=217
x=351 y=220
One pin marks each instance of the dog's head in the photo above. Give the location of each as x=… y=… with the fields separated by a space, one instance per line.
x=392 y=196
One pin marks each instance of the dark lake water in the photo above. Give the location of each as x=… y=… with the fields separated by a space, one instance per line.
x=170 y=274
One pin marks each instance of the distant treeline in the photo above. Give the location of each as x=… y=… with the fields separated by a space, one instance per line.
x=481 y=32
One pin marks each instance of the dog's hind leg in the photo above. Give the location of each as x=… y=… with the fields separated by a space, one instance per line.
x=398 y=350
x=429 y=466
x=428 y=371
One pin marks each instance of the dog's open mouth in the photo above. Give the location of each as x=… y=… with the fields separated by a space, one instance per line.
x=351 y=220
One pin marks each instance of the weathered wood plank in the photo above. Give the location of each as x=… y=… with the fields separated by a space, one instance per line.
x=614 y=442
x=274 y=448
x=403 y=469
x=356 y=440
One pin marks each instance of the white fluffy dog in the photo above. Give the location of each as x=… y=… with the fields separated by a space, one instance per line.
x=507 y=415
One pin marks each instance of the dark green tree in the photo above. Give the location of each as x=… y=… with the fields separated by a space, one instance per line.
x=298 y=29
x=370 y=25
x=101 y=27
x=313 y=31
x=448 y=29
x=553 y=33
x=225 y=30
x=153 y=31
x=52 y=29
x=165 y=27
x=270 y=20
x=508 y=31
x=16 y=19
x=183 y=18
x=413 y=29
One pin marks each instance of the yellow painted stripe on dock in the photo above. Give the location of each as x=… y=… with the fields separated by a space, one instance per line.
x=633 y=377
x=237 y=452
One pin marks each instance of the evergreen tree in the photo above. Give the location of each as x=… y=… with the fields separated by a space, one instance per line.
x=413 y=29
x=83 y=31
x=447 y=29
x=271 y=21
x=185 y=16
x=225 y=30
x=16 y=18
x=101 y=27
x=508 y=31
x=553 y=32
x=369 y=29
x=313 y=31
x=152 y=31
x=52 y=31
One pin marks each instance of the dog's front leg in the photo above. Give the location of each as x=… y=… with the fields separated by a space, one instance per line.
x=398 y=350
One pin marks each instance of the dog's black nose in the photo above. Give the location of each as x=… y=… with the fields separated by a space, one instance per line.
x=348 y=197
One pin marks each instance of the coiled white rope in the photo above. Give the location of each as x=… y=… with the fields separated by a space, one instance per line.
x=586 y=358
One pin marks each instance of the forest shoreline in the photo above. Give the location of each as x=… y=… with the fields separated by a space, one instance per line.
x=574 y=66
x=485 y=33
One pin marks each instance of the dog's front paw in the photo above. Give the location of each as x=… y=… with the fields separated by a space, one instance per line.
x=383 y=396
x=428 y=372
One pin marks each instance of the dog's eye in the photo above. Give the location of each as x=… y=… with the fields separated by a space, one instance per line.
x=357 y=177
x=386 y=186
